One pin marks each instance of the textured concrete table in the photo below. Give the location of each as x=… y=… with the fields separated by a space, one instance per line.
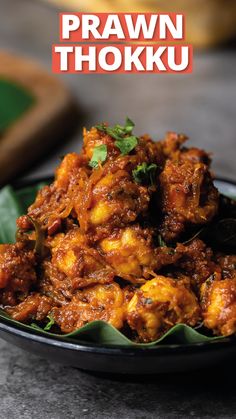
x=31 y=387
x=203 y=105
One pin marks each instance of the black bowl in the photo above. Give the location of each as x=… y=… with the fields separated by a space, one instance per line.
x=114 y=359
x=118 y=359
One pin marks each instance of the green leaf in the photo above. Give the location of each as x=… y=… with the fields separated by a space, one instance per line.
x=126 y=144
x=26 y=196
x=49 y=324
x=125 y=141
x=12 y=205
x=103 y=333
x=145 y=173
x=118 y=131
x=10 y=210
x=129 y=125
x=99 y=155
x=14 y=102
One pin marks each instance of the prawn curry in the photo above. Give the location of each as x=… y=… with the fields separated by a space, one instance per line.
x=124 y=234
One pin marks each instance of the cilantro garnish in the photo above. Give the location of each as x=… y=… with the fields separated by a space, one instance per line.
x=126 y=144
x=145 y=173
x=99 y=155
x=125 y=141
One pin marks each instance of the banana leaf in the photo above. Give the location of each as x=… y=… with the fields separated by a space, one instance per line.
x=14 y=102
x=100 y=332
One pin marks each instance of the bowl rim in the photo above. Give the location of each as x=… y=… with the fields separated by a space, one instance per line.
x=102 y=349
x=116 y=349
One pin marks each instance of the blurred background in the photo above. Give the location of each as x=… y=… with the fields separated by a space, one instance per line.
x=202 y=105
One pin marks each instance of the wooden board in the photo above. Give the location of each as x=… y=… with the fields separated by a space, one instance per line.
x=208 y=22
x=49 y=120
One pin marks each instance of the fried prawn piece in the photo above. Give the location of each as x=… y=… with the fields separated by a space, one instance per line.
x=112 y=198
x=74 y=264
x=34 y=307
x=197 y=261
x=69 y=171
x=17 y=272
x=147 y=149
x=115 y=201
x=188 y=197
x=172 y=144
x=218 y=300
x=100 y=302
x=133 y=254
x=172 y=148
x=159 y=304
x=93 y=138
x=56 y=202
x=227 y=264
x=130 y=252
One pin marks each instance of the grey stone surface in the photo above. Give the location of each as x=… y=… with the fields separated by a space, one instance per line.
x=31 y=387
x=203 y=106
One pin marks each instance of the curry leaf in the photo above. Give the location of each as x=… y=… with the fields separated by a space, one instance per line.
x=50 y=323
x=39 y=238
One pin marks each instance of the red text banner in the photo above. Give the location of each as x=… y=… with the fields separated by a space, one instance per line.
x=128 y=58
x=112 y=27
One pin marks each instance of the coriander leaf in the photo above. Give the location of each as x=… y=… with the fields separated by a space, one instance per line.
x=101 y=127
x=116 y=132
x=125 y=141
x=129 y=125
x=126 y=144
x=99 y=155
x=50 y=323
x=145 y=173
